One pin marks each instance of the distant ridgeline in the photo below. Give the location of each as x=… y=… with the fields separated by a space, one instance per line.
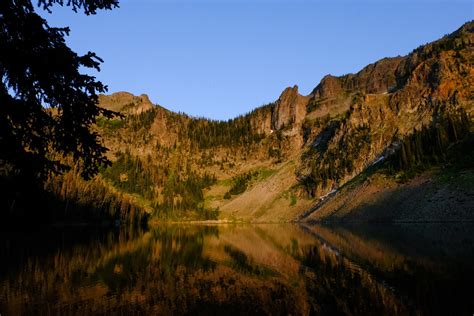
x=402 y=114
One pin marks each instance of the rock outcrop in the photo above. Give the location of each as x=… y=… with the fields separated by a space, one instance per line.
x=125 y=102
x=261 y=119
x=385 y=102
x=289 y=109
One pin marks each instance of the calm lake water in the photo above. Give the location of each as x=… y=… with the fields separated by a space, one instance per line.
x=241 y=269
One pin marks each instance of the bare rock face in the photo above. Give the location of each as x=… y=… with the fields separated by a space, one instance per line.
x=329 y=87
x=125 y=103
x=261 y=119
x=289 y=109
x=379 y=77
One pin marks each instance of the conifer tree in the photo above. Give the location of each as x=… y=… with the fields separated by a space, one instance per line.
x=46 y=103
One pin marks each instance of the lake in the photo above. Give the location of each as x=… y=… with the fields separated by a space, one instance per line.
x=265 y=269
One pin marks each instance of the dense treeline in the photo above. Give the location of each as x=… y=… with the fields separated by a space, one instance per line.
x=429 y=145
x=179 y=196
x=142 y=120
x=129 y=174
x=68 y=199
x=174 y=191
x=205 y=133
x=91 y=201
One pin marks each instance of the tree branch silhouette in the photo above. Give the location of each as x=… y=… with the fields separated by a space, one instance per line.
x=46 y=104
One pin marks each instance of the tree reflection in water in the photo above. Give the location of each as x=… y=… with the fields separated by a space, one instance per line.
x=259 y=269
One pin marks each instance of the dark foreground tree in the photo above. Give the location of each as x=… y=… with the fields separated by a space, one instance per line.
x=46 y=104
x=47 y=107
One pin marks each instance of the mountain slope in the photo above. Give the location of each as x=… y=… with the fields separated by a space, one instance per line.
x=280 y=161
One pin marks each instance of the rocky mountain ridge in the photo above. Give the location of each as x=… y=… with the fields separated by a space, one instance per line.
x=301 y=148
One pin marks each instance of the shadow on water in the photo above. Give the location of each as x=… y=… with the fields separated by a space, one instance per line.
x=422 y=268
x=243 y=269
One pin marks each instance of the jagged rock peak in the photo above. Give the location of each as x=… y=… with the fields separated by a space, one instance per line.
x=329 y=86
x=378 y=77
x=289 y=109
x=126 y=102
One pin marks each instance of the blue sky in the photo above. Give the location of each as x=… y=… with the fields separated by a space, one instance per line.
x=222 y=58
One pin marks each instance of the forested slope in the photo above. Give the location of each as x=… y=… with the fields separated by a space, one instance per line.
x=401 y=119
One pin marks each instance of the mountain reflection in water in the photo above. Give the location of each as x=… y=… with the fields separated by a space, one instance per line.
x=241 y=269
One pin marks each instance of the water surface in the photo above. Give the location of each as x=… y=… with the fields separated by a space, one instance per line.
x=241 y=269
